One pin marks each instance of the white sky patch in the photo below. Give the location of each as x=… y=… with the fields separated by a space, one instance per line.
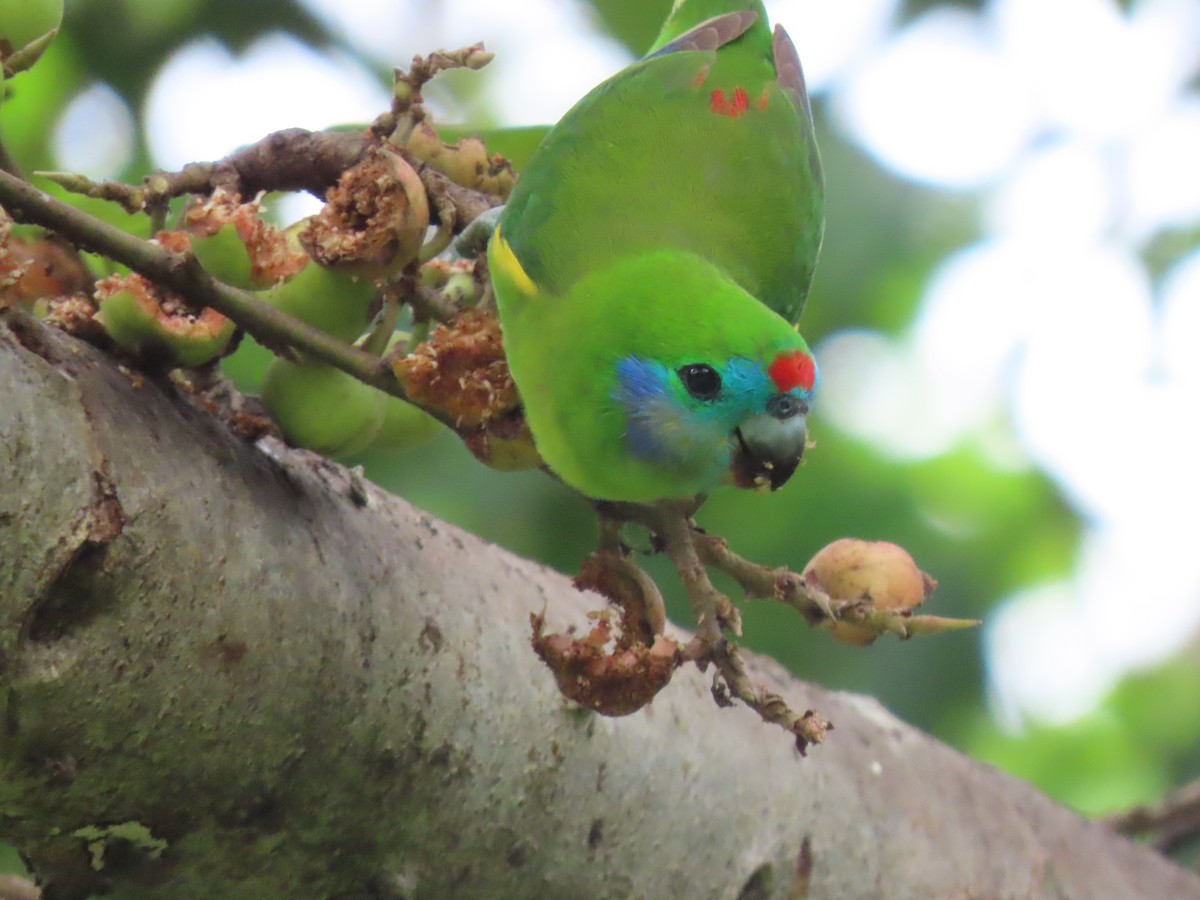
x=1075 y=59
x=973 y=320
x=385 y=29
x=286 y=209
x=1063 y=189
x=1166 y=33
x=1163 y=188
x=548 y=52
x=867 y=390
x=277 y=83
x=878 y=390
x=1040 y=662
x=938 y=104
x=1070 y=328
x=1054 y=651
x=832 y=37
x=1180 y=323
x=1138 y=585
x=94 y=134
x=1091 y=70
x=1084 y=376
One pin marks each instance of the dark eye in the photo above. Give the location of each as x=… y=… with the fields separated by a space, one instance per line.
x=701 y=381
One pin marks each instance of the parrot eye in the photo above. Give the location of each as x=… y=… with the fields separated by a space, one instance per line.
x=701 y=381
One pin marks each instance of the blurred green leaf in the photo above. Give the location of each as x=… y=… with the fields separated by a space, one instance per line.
x=1094 y=764
x=10 y=861
x=633 y=24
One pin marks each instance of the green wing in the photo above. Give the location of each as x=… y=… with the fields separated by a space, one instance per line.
x=704 y=146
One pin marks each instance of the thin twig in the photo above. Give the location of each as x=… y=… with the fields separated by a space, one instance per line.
x=406 y=110
x=428 y=304
x=808 y=727
x=1169 y=823
x=766 y=582
x=712 y=610
x=814 y=604
x=290 y=160
x=183 y=274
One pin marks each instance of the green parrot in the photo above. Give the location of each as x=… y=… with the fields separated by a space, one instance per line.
x=652 y=261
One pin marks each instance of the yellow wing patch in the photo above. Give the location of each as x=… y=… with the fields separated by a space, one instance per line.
x=504 y=259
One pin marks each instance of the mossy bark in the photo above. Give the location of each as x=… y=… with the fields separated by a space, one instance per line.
x=234 y=670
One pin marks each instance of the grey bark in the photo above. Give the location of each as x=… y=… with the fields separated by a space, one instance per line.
x=232 y=670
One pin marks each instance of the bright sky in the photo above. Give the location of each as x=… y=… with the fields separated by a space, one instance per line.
x=1073 y=125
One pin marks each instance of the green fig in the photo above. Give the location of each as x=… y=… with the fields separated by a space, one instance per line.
x=374 y=219
x=335 y=302
x=404 y=426
x=235 y=244
x=139 y=322
x=223 y=255
x=322 y=408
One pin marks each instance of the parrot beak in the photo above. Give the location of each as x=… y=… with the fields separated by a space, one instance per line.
x=770 y=445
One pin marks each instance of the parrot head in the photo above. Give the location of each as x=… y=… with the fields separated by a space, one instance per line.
x=744 y=416
x=656 y=377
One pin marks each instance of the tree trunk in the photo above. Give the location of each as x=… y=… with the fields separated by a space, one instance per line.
x=236 y=670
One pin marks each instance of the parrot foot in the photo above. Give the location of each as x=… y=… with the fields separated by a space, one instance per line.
x=859 y=590
x=712 y=610
x=692 y=550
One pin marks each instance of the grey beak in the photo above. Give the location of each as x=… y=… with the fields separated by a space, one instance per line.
x=770 y=445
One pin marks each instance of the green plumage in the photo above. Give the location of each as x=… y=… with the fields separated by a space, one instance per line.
x=667 y=306
x=670 y=221
x=644 y=161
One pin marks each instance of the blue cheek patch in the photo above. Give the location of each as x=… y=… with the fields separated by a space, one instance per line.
x=638 y=381
x=642 y=394
x=664 y=425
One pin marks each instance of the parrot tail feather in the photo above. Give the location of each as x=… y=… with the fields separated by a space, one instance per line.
x=788 y=72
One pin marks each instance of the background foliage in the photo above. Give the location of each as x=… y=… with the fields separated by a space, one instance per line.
x=984 y=530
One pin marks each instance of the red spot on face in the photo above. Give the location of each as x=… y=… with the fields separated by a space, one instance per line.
x=791 y=370
x=762 y=100
x=701 y=77
x=718 y=104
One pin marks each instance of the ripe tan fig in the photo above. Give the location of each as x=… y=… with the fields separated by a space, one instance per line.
x=880 y=574
x=404 y=425
x=374 y=219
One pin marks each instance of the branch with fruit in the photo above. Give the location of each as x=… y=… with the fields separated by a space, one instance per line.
x=378 y=311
